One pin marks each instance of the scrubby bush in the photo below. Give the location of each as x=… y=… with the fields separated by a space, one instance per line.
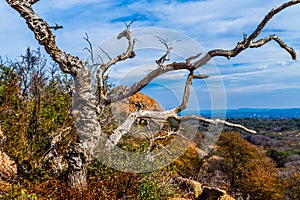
x=280 y=157
x=249 y=170
x=34 y=108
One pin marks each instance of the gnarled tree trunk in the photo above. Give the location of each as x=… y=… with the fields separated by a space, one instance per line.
x=85 y=102
x=84 y=113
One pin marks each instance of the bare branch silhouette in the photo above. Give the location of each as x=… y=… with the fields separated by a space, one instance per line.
x=56 y=27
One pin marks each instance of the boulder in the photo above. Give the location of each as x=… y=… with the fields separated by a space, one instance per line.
x=209 y=193
x=136 y=102
x=8 y=167
x=201 y=192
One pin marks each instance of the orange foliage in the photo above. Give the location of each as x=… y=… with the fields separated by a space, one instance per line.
x=249 y=170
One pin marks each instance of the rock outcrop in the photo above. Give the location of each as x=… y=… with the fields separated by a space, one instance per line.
x=202 y=192
x=209 y=193
x=212 y=173
x=8 y=167
x=134 y=103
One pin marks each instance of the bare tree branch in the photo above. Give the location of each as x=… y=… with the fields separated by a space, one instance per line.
x=164 y=148
x=248 y=42
x=44 y=35
x=268 y=17
x=127 y=124
x=128 y=25
x=187 y=91
x=170 y=133
x=216 y=122
x=105 y=53
x=200 y=76
x=164 y=115
x=154 y=139
x=90 y=48
x=56 y=27
x=164 y=58
x=122 y=94
x=265 y=40
x=189 y=59
x=129 y=53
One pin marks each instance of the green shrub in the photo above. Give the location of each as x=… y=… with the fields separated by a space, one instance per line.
x=280 y=157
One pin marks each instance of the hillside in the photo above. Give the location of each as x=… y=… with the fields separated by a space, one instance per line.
x=37 y=132
x=212 y=173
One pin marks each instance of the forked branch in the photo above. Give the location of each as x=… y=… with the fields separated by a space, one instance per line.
x=73 y=65
x=129 y=53
x=90 y=48
x=43 y=34
x=265 y=40
x=160 y=62
x=128 y=25
x=165 y=115
x=247 y=42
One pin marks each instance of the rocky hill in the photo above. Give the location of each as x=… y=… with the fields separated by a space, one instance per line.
x=8 y=167
x=214 y=176
x=138 y=101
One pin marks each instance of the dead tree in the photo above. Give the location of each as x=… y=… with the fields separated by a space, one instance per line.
x=88 y=103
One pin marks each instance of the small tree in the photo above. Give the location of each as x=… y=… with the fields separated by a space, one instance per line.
x=34 y=113
x=89 y=104
x=249 y=170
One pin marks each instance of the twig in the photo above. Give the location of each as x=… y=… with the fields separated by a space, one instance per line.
x=248 y=42
x=90 y=48
x=128 y=25
x=56 y=27
x=105 y=53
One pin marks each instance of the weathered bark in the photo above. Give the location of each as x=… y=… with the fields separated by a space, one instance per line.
x=84 y=114
x=164 y=115
x=88 y=128
x=85 y=102
x=77 y=166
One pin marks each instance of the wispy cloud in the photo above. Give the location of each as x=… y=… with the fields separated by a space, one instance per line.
x=212 y=24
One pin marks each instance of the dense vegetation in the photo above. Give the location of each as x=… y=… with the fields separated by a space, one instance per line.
x=35 y=104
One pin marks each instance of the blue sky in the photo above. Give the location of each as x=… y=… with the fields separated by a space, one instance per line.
x=264 y=77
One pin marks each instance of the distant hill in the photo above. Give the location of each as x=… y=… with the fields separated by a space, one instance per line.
x=259 y=113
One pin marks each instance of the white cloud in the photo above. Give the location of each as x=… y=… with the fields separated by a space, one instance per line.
x=214 y=24
x=273 y=77
x=64 y=5
x=15 y=36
